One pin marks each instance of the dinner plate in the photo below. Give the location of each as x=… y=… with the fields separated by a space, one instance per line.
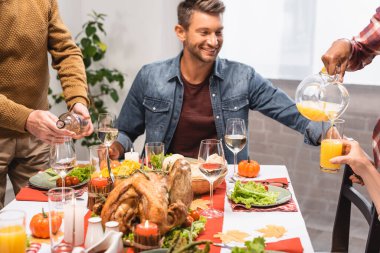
x=283 y=197
x=41 y=181
x=191 y=160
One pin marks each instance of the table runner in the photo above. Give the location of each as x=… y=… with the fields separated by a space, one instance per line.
x=213 y=226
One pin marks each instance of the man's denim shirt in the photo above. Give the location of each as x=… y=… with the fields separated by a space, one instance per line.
x=155 y=100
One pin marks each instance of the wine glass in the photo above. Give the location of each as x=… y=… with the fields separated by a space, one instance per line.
x=235 y=137
x=107 y=134
x=63 y=157
x=211 y=164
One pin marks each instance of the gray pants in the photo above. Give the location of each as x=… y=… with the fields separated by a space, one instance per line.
x=21 y=158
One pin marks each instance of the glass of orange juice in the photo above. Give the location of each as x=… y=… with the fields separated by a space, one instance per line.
x=331 y=144
x=12 y=231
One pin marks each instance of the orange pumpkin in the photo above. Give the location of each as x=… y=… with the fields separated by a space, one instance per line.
x=39 y=225
x=248 y=168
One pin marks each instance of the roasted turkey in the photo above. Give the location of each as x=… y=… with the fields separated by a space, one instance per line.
x=160 y=198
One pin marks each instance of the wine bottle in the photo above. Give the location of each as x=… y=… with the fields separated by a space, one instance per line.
x=72 y=122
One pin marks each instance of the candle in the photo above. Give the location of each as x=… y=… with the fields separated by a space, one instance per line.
x=99 y=182
x=80 y=212
x=147 y=229
x=146 y=237
x=132 y=156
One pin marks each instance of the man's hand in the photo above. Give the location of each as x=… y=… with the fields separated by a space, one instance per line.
x=116 y=150
x=42 y=124
x=337 y=57
x=82 y=111
x=355 y=157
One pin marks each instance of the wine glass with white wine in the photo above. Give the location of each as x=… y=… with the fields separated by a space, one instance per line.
x=235 y=137
x=63 y=157
x=107 y=134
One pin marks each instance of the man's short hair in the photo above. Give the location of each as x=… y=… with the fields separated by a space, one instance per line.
x=187 y=7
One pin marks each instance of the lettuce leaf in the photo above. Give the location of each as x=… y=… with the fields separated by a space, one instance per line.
x=257 y=245
x=252 y=193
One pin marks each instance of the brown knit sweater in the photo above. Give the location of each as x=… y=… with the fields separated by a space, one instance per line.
x=28 y=30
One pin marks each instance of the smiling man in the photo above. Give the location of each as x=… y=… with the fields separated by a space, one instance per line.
x=184 y=100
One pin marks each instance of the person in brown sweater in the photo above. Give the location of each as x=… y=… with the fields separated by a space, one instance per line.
x=28 y=30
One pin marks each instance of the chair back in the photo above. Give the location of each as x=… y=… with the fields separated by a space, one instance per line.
x=341 y=230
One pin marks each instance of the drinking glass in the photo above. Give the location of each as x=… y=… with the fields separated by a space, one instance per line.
x=107 y=134
x=331 y=144
x=211 y=164
x=98 y=158
x=12 y=231
x=62 y=157
x=154 y=150
x=235 y=137
x=61 y=208
x=99 y=186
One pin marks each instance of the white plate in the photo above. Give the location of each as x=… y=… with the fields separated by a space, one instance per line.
x=284 y=196
x=41 y=181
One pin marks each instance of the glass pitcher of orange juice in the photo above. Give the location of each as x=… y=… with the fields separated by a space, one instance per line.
x=12 y=231
x=321 y=97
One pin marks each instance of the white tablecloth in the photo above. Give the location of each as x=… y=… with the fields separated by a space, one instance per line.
x=249 y=222
x=244 y=221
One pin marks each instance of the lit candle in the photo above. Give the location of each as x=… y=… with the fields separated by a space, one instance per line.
x=147 y=229
x=132 y=156
x=99 y=182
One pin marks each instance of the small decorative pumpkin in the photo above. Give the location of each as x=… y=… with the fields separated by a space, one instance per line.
x=248 y=168
x=39 y=225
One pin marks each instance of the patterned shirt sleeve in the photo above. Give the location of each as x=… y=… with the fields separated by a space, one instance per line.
x=366 y=45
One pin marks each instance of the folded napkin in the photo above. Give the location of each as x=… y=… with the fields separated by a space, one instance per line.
x=29 y=194
x=288 y=207
x=292 y=245
x=281 y=181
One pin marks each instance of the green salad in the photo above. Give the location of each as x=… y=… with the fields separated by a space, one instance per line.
x=82 y=173
x=156 y=160
x=257 y=245
x=198 y=227
x=252 y=193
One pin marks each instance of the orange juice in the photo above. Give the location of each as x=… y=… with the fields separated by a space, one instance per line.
x=12 y=239
x=318 y=110
x=312 y=111
x=330 y=148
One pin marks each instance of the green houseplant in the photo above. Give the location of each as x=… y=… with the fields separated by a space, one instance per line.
x=102 y=82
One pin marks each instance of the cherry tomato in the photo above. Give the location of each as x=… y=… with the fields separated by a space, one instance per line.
x=58 y=183
x=189 y=220
x=74 y=180
x=67 y=181
x=195 y=215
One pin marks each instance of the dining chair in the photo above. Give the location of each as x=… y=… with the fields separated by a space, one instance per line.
x=341 y=230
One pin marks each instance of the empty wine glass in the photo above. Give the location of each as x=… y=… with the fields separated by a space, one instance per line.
x=107 y=134
x=211 y=164
x=63 y=157
x=235 y=137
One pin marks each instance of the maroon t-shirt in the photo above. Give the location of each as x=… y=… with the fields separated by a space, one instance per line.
x=196 y=122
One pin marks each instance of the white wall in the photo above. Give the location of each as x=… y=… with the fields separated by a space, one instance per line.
x=285 y=39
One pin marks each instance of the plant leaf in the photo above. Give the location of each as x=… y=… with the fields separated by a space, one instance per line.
x=90 y=30
x=85 y=42
x=114 y=95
